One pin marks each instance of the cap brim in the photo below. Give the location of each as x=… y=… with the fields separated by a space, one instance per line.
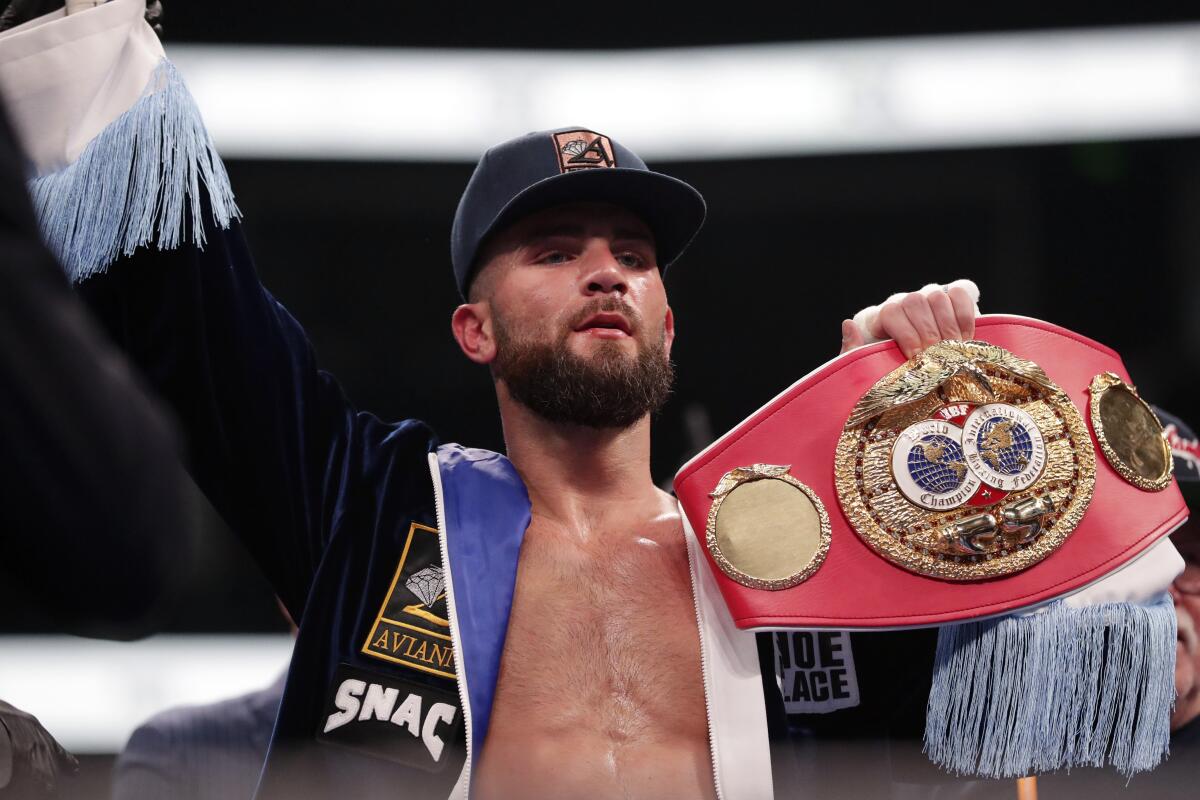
x=672 y=209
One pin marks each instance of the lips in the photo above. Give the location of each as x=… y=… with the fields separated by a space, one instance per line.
x=606 y=321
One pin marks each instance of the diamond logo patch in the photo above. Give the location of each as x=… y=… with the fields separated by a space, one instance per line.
x=412 y=627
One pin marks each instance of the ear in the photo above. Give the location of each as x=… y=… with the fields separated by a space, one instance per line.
x=668 y=330
x=472 y=327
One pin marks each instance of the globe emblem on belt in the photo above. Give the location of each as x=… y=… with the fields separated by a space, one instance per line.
x=936 y=464
x=1003 y=446
x=930 y=467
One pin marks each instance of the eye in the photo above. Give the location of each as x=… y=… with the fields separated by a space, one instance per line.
x=553 y=257
x=631 y=260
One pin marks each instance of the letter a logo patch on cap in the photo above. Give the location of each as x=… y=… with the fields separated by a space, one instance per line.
x=583 y=150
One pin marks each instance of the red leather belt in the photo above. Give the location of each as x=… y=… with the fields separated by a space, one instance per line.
x=974 y=480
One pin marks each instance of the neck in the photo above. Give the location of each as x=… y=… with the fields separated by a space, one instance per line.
x=577 y=475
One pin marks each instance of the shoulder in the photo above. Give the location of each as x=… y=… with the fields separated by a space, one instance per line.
x=406 y=443
x=227 y=722
x=205 y=751
x=392 y=460
x=152 y=748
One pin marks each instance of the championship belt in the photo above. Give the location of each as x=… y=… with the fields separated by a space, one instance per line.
x=979 y=482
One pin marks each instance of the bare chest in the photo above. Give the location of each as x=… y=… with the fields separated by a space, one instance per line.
x=603 y=634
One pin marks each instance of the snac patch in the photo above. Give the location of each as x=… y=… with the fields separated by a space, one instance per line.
x=389 y=717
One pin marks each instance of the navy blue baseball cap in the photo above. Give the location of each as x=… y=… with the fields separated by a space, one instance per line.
x=567 y=165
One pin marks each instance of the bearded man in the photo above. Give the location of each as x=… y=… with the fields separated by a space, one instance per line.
x=567 y=307
x=514 y=627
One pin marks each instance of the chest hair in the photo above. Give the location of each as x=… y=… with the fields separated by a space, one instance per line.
x=603 y=633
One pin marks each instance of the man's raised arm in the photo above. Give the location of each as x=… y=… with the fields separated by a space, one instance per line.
x=137 y=205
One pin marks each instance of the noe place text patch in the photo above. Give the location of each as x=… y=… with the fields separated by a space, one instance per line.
x=816 y=671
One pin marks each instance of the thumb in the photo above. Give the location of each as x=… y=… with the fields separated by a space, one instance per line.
x=851 y=336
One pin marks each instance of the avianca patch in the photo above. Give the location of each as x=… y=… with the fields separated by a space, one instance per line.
x=393 y=718
x=412 y=627
x=583 y=149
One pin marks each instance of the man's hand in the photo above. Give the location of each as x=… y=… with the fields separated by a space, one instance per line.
x=29 y=755
x=918 y=319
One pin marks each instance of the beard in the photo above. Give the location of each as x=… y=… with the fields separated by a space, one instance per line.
x=608 y=389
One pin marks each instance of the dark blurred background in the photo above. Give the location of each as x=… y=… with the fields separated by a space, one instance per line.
x=1097 y=236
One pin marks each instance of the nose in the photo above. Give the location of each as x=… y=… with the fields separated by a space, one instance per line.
x=603 y=274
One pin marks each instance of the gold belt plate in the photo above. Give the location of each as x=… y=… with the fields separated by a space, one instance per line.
x=965 y=463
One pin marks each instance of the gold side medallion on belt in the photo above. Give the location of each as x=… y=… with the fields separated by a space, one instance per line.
x=767 y=530
x=1130 y=434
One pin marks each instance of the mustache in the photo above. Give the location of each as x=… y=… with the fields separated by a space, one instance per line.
x=606 y=305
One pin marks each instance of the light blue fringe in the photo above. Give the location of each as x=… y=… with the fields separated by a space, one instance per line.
x=1062 y=688
x=135 y=183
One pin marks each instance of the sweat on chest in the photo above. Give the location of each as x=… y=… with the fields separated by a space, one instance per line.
x=625 y=610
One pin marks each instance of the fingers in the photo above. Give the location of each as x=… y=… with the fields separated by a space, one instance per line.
x=851 y=336
x=920 y=316
x=895 y=324
x=964 y=310
x=918 y=320
x=943 y=315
